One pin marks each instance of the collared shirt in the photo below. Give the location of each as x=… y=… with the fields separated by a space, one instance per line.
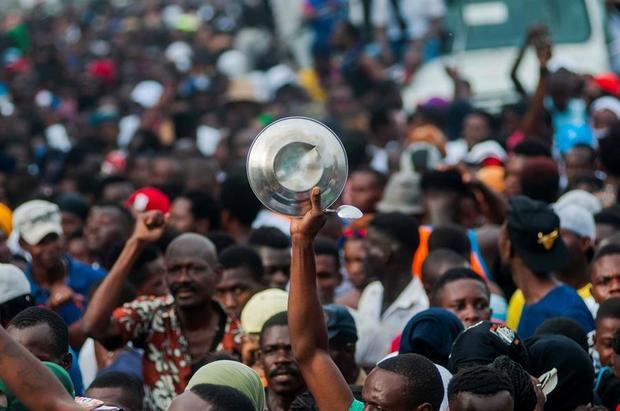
x=80 y=278
x=376 y=329
x=152 y=324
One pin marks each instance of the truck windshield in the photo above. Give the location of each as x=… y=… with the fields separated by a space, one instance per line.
x=482 y=24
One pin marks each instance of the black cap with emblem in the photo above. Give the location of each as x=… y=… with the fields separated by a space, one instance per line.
x=534 y=232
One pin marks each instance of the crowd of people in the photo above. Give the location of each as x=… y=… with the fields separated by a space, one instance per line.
x=138 y=270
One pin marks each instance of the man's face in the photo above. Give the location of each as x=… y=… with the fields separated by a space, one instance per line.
x=235 y=288
x=343 y=354
x=385 y=390
x=48 y=253
x=181 y=217
x=468 y=300
x=155 y=282
x=190 y=278
x=71 y=223
x=475 y=129
x=276 y=266
x=354 y=255
x=163 y=170
x=36 y=339
x=379 y=249
x=606 y=328
x=364 y=191
x=327 y=277
x=578 y=162
x=577 y=247
x=277 y=359
x=606 y=278
x=502 y=401
x=512 y=180
x=103 y=228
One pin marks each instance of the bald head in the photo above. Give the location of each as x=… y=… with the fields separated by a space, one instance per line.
x=192 y=244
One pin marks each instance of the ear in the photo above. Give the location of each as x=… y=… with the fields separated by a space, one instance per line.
x=67 y=360
x=424 y=407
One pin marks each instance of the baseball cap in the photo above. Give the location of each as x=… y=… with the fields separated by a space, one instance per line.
x=13 y=283
x=147 y=199
x=261 y=307
x=402 y=194
x=340 y=323
x=534 y=231
x=581 y=198
x=480 y=344
x=36 y=219
x=576 y=219
x=485 y=150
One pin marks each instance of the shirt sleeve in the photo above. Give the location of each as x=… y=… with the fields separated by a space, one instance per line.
x=134 y=318
x=356 y=406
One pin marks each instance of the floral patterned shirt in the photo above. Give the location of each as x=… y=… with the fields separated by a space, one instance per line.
x=152 y=324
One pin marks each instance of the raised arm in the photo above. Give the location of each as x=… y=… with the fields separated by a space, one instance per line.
x=305 y=316
x=24 y=375
x=97 y=321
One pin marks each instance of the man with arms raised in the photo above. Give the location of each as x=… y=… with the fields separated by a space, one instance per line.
x=405 y=382
x=176 y=331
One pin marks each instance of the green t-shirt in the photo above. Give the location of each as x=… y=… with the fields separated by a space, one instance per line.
x=356 y=406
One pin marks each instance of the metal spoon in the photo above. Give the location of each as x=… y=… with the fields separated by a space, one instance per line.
x=346 y=212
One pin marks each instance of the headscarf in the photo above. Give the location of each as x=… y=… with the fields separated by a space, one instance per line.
x=482 y=343
x=431 y=333
x=234 y=375
x=575 y=371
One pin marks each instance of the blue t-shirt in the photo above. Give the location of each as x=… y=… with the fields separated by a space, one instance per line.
x=562 y=301
x=80 y=279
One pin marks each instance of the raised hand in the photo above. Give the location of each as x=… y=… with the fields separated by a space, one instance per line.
x=149 y=226
x=308 y=226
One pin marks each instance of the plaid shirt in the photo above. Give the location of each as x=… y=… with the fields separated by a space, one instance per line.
x=152 y=324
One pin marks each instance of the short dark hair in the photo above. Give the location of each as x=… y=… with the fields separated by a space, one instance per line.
x=442 y=256
x=450 y=236
x=479 y=380
x=541 y=180
x=204 y=206
x=455 y=274
x=277 y=320
x=127 y=220
x=221 y=240
x=532 y=148
x=130 y=386
x=237 y=197
x=223 y=398
x=400 y=227
x=609 y=215
x=424 y=382
x=609 y=309
x=238 y=256
x=268 y=237
x=327 y=246
x=138 y=274
x=379 y=118
x=607 y=250
x=565 y=326
x=524 y=393
x=443 y=181
x=380 y=178
x=34 y=316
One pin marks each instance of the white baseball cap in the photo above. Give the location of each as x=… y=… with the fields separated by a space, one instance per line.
x=36 y=219
x=576 y=219
x=581 y=198
x=13 y=283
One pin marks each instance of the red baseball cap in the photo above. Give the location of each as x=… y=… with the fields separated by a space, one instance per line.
x=147 y=199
